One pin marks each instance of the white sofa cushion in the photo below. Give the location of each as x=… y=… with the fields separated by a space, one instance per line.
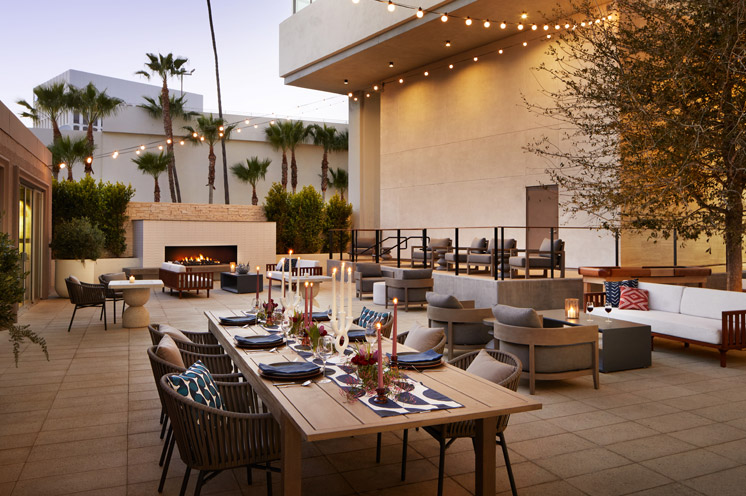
x=664 y=297
x=173 y=267
x=711 y=303
x=309 y=263
x=672 y=324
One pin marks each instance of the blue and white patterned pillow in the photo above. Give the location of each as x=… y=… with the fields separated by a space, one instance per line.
x=368 y=316
x=197 y=384
x=613 y=292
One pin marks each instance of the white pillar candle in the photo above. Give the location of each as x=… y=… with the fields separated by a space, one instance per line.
x=349 y=293
x=334 y=293
x=297 y=277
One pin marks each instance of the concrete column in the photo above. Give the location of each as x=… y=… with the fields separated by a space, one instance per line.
x=365 y=161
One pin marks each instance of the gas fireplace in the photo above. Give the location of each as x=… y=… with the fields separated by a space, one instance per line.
x=201 y=255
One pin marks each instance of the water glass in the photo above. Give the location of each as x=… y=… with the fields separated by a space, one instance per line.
x=325 y=350
x=370 y=334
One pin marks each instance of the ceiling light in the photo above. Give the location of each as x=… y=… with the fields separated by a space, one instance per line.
x=420 y=13
x=391 y=6
x=401 y=80
x=391 y=64
x=444 y=17
x=448 y=43
x=468 y=21
x=347 y=82
x=503 y=25
x=520 y=27
x=524 y=15
x=487 y=23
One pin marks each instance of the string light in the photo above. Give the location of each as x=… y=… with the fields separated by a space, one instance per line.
x=220 y=135
x=444 y=17
x=556 y=26
x=450 y=66
x=221 y=128
x=256 y=126
x=546 y=28
x=427 y=74
x=182 y=141
x=567 y=25
x=500 y=51
x=160 y=147
x=367 y=95
x=356 y=1
x=142 y=147
x=468 y=21
x=137 y=152
x=89 y=160
x=238 y=130
x=487 y=23
x=271 y=122
x=349 y=94
x=63 y=165
x=448 y=43
x=391 y=6
x=391 y=64
x=476 y=58
x=347 y=82
x=401 y=80
x=115 y=154
x=525 y=43
x=375 y=87
x=355 y=99
x=169 y=141
x=503 y=25
x=520 y=27
x=549 y=36
x=524 y=15
x=533 y=27
x=247 y=120
x=420 y=13
x=194 y=135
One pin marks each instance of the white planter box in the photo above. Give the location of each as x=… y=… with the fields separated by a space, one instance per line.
x=85 y=271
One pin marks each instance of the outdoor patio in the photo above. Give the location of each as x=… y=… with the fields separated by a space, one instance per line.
x=87 y=422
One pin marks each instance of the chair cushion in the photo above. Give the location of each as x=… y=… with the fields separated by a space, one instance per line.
x=515 y=316
x=480 y=258
x=176 y=334
x=73 y=279
x=711 y=303
x=173 y=267
x=168 y=351
x=368 y=316
x=436 y=243
x=287 y=263
x=424 y=338
x=198 y=385
x=451 y=257
x=113 y=276
x=366 y=285
x=551 y=359
x=478 y=244
x=442 y=301
x=416 y=274
x=368 y=269
x=633 y=299
x=414 y=295
x=663 y=297
x=471 y=333
x=488 y=367
x=613 y=291
x=546 y=246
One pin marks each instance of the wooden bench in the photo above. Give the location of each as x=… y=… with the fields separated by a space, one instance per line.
x=186 y=281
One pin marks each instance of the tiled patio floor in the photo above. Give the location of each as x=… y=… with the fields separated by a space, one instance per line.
x=87 y=422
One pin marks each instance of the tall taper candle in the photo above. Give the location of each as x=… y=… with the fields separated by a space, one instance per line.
x=380 y=357
x=297 y=278
x=349 y=291
x=290 y=273
x=334 y=293
x=393 y=344
x=305 y=307
x=342 y=289
x=257 y=283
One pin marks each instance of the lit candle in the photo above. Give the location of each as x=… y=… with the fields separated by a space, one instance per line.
x=393 y=345
x=257 y=283
x=305 y=307
x=269 y=291
x=342 y=289
x=349 y=292
x=233 y=267
x=334 y=293
x=282 y=275
x=132 y=279
x=297 y=278
x=380 y=357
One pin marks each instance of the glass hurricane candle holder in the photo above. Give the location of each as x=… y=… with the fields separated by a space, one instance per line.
x=572 y=308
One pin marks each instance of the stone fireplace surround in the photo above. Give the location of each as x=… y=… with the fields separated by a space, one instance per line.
x=255 y=241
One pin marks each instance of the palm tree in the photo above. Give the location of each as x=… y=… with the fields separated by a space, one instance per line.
x=295 y=133
x=326 y=137
x=93 y=104
x=220 y=104
x=69 y=152
x=176 y=106
x=251 y=173
x=50 y=102
x=339 y=181
x=154 y=165
x=165 y=67
x=209 y=130
x=276 y=139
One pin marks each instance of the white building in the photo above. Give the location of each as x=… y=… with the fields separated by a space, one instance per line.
x=132 y=128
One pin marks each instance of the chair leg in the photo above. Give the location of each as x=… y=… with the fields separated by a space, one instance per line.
x=504 y=446
x=200 y=481
x=115 y=309
x=101 y=313
x=164 y=472
x=378 y=448
x=404 y=454
x=185 y=481
x=165 y=446
x=104 y=307
x=269 y=480
x=72 y=318
x=249 y=478
x=441 y=466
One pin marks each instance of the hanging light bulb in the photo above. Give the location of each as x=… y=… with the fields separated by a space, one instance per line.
x=256 y=126
x=546 y=28
x=238 y=130
x=520 y=26
x=391 y=6
x=347 y=82
x=444 y=17
x=450 y=66
x=375 y=87
x=420 y=13
x=221 y=128
x=448 y=43
x=476 y=59
x=246 y=121
x=202 y=138
x=503 y=25
x=367 y=95
x=169 y=141
x=391 y=64
x=142 y=147
x=349 y=94
x=160 y=147
x=401 y=80
x=89 y=160
x=567 y=25
x=194 y=135
x=533 y=27
x=115 y=154
x=355 y=99
x=524 y=15
x=427 y=74
x=355 y=1
x=63 y=165
x=487 y=23
x=500 y=51
x=582 y=24
x=549 y=36
x=468 y=21
x=220 y=135
x=525 y=43
x=181 y=142
x=137 y=152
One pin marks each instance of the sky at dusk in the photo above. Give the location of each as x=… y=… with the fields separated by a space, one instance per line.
x=112 y=37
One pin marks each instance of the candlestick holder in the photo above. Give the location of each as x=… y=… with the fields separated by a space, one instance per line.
x=380 y=398
x=341 y=329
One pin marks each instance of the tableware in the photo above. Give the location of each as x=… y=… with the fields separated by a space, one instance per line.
x=291 y=384
x=416 y=360
x=607 y=307
x=290 y=371
x=262 y=342
x=325 y=350
x=370 y=334
x=589 y=309
x=237 y=320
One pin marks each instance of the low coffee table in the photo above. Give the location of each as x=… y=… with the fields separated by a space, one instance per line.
x=625 y=345
x=241 y=283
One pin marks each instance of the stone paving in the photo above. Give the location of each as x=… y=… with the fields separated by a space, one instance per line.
x=86 y=422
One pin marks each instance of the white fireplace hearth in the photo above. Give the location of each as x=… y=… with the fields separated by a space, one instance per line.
x=255 y=240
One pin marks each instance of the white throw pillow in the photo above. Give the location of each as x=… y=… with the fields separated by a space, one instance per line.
x=487 y=367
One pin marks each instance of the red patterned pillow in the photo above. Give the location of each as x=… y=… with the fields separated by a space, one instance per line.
x=633 y=299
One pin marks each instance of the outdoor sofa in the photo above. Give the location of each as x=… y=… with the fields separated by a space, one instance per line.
x=177 y=277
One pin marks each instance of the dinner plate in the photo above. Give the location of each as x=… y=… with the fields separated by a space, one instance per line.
x=418 y=365
x=237 y=320
x=257 y=342
x=289 y=377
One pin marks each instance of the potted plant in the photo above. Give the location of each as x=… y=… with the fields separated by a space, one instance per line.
x=76 y=245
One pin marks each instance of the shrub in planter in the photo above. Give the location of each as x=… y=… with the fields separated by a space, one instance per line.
x=306 y=221
x=77 y=239
x=338 y=216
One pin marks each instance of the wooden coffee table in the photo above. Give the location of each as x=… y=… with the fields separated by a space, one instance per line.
x=625 y=345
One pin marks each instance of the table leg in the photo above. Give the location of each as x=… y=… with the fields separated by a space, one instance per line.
x=136 y=315
x=291 y=459
x=484 y=452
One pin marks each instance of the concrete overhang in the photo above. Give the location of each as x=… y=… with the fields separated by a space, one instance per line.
x=333 y=40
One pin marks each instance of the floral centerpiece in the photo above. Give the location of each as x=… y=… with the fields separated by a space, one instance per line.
x=364 y=365
x=266 y=312
x=315 y=333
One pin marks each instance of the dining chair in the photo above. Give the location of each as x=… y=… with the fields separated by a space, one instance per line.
x=446 y=434
x=201 y=342
x=111 y=294
x=207 y=437
x=85 y=295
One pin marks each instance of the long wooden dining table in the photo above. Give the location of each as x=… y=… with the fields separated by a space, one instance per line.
x=320 y=411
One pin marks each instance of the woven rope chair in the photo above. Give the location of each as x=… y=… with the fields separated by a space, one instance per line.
x=438 y=348
x=162 y=367
x=203 y=343
x=446 y=434
x=113 y=295
x=212 y=440
x=85 y=295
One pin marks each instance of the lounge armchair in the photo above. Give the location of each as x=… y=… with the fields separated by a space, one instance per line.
x=409 y=286
x=541 y=259
x=367 y=274
x=367 y=248
x=478 y=245
x=435 y=249
x=476 y=259
x=546 y=353
x=85 y=295
x=462 y=322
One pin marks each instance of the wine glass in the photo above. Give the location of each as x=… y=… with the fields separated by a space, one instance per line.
x=325 y=350
x=256 y=305
x=277 y=316
x=370 y=334
x=285 y=326
x=607 y=307
x=589 y=309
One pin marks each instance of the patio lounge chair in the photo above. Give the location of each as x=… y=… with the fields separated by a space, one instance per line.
x=462 y=322
x=476 y=258
x=435 y=249
x=85 y=295
x=541 y=259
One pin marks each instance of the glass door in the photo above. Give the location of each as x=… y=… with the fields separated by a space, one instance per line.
x=29 y=236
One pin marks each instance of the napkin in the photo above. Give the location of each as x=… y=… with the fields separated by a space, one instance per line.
x=272 y=328
x=258 y=340
x=356 y=335
x=293 y=368
x=320 y=316
x=238 y=320
x=424 y=357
